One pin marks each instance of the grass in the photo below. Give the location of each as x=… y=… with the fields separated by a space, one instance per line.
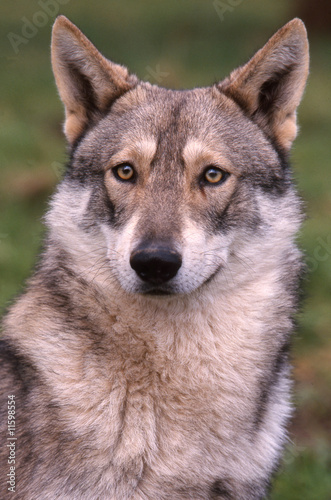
x=305 y=475
x=190 y=45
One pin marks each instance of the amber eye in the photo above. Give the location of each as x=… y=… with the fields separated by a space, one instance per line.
x=124 y=172
x=214 y=175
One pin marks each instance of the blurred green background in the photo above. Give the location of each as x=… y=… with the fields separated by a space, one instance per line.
x=178 y=43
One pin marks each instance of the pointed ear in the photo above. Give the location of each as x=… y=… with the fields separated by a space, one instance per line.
x=87 y=82
x=270 y=86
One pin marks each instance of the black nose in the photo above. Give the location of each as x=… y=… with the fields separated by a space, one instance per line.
x=155 y=263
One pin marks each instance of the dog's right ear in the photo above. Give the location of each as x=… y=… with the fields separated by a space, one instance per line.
x=87 y=82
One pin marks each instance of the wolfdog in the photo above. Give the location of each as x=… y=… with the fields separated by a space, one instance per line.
x=148 y=356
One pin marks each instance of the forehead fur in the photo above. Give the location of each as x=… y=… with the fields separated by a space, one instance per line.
x=142 y=150
x=183 y=124
x=196 y=152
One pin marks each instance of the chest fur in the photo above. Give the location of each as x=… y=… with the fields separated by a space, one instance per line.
x=167 y=396
x=147 y=401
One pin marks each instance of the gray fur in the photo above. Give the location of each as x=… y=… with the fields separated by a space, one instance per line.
x=132 y=388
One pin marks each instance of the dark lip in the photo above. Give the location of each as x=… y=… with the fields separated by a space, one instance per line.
x=161 y=292
x=158 y=292
x=212 y=276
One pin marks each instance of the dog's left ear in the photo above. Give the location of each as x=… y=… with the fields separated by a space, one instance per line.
x=87 y=82
x=270 y=86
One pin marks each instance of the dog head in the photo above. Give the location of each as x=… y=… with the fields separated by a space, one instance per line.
x=167 y=189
